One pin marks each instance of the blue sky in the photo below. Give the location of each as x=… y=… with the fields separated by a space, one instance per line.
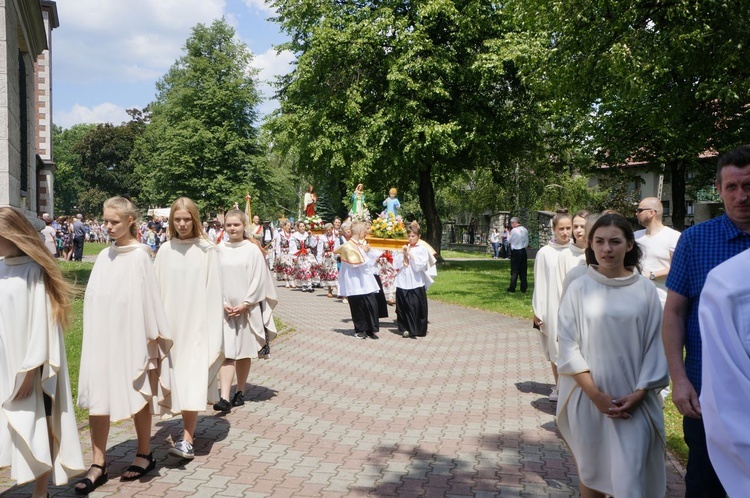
x=108 y=54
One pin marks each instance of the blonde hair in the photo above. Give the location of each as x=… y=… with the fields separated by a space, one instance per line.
x=186 y=204
x=237 y=213
x=27 y=240
x=124 y=207
x=393 y=191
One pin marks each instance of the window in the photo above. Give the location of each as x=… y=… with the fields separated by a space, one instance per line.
x=689 y=208
x=665 y=205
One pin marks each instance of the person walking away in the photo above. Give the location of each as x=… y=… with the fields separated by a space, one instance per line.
x=519 y=259
x=79 y=235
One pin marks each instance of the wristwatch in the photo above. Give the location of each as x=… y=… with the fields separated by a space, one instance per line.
x=651 y=276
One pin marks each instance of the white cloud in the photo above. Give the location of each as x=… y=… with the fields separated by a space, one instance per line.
x=270 y=65
x=102 y=113
x=103 y=40
x=260 y=5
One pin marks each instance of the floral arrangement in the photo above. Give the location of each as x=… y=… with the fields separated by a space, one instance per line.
x=314 y=222
x=362 y=216
x=388 y=227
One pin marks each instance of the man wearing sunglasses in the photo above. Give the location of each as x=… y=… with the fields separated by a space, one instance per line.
x=657 y=243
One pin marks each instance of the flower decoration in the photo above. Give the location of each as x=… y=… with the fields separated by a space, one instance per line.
x=314 y=222
x=388 y=227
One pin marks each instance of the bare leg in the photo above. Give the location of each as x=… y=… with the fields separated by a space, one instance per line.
x=589 y=493
x=554 y=371
x=226 y=376
x=142 y=422
x=189 y=422
x=41 y=483
x=99 y=427
x=243 y=370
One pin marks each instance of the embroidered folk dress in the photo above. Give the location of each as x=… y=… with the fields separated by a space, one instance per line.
x=126 y=338
x=329 y=272
x=30 y=341
x=546 y=298
x=611 y=327
x=246 y=279
x=284 y=264
x=189 y=275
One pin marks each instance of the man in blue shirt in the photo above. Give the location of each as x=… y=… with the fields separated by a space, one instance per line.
x=699 y=250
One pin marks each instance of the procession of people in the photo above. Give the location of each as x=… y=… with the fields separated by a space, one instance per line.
x=168 y=329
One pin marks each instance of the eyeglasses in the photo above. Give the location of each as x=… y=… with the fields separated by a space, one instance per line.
x=640 y=210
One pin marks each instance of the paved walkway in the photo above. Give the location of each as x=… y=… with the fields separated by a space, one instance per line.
x=460 y=413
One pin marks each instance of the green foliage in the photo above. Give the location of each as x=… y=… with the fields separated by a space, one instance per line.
x=68 y=183
x=399 y=94
x=202 y=141
x=660 y=82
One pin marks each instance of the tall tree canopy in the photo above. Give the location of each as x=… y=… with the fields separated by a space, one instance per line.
x=390 y=92
x=202 y=141
x=664 y=81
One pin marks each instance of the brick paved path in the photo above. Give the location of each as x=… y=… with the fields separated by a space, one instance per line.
x=462 y=412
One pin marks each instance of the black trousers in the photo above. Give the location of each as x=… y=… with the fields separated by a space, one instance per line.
x=364 y=310
x=78 y=248
x=701 y=480
x=519 y=262
x=412 y=310
x=380 y=298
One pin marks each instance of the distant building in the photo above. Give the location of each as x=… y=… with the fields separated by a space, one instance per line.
x=26 y=163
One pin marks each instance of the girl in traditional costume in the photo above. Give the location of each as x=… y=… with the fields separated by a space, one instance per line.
x=249 y=298
x=38 y=432
x=546 y=298
x=126 y=369
x=612 y=367
x=412 y=282
x=329 y=272
x=284 y=264
x=304 y=259
x=189 y=272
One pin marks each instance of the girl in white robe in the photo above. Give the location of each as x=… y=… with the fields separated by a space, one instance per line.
x=546 y=298
x=189 y=273
x=612 y=366
x=575 y=254
x=38 y=432
x=125 y=364
x=249 y=298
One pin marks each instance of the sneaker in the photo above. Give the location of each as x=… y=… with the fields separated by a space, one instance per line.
x=406 y=333
x=222 y=406
x=553 y=395
x=345 y=301
x=371 y=335
x=182 y=449
x=239 y=399
x=359 y=335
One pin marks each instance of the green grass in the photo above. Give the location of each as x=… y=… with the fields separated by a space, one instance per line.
x=93 y=248
x=465 y=254
x=481 y=284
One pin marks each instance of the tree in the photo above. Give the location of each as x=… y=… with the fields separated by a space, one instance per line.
x=202 y=141
x=393 y=93
x=68 y=183
x=663 y=82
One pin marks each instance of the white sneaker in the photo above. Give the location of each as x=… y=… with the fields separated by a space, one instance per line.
x=182 y=449
x=553 y=395
x=406 y=333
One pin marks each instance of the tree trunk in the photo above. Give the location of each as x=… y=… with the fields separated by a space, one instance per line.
x=677 y=169
x=433 y=232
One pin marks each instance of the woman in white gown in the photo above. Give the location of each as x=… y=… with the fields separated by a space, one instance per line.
x=189 y=273
x=38 y=432
x=249 y=298
x=546 y=298
x=612 y=366
x=125 y=365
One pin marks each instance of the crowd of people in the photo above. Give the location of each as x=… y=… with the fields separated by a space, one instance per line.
x=618 y=313
x=161 y=336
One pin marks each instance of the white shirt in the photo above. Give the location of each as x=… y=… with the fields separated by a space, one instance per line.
x=724 y=314
x=657 y=255
x=519 y=238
